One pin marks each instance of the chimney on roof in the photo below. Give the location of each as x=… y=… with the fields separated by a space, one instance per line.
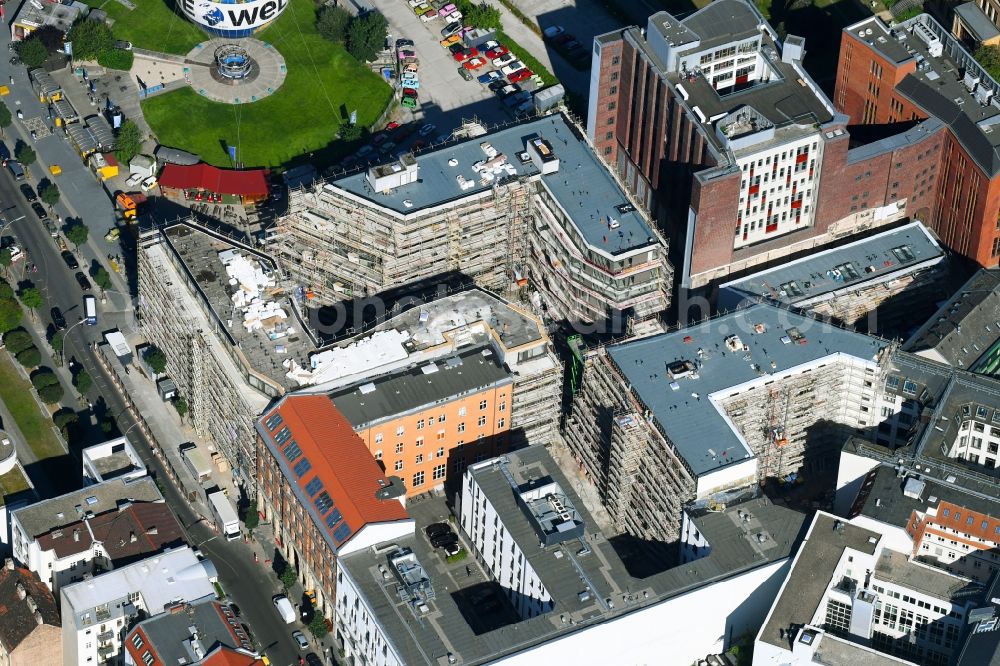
x=124 y=506
x=131 y=537
x=21 y=592
x=8 y=563
x=152 y=530
x=38 y=618
x=76 y=534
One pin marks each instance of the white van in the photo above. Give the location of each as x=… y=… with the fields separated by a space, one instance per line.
x=90 y=310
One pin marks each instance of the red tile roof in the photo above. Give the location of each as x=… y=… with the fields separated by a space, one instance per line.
x=224 y=656
x=152 y=523
x=220 y=181
x=338 y=458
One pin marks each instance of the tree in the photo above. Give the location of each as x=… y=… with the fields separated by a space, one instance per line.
x=989 y=58
x=32 y=52
x=181 y=405
x=43 y=378
x=24 y=153
x=6 y=291
x=63 y=419
x=251 y=518
x=32 y=299
x=102 y=278
x=83 y=382
x=77 y=234
x=90 y=39
x=6 y=259
x=366 y=36
x=30 y=357
x=50 y=36
x=350 y=132
x=10 y=314
x=5 y=117
x=50 y=395
x=332 y=22
x=317 y=626
x=17 y=340
x=482 y=16
x=49 y=193
x=288 y=576
x=56 y=341
x=129 y=142
x=156 y=360
x=116 y=59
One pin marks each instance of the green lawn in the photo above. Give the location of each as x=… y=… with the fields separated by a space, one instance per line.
x=324 y=84
x=11 y=483
x=35 y=426
x=154 y=25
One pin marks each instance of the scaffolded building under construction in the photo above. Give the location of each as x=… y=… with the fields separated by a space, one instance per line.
x=530 y=202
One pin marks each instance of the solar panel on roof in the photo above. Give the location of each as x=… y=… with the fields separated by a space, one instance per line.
x=292 y=452
x=314 y=486
x=273 y=421
x=323 y=502
x=283 y=435
x=341 y=533
x=302 y=466
x=334 y=518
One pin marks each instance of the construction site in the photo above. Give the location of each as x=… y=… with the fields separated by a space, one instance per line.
x=527 y=211
x=703 y=413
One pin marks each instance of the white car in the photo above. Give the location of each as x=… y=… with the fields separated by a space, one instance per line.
x=486 y=46
x=454 y=16
x=503 y=60
x=148 y=183
x=414 y=3
x=428 y=17
x=515 y=66
x=134 y=180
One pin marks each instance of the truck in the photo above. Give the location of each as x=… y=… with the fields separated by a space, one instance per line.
x=225 y=516
x=129 y=203
x=119 y=345
x=284 y=608
x=196 y=461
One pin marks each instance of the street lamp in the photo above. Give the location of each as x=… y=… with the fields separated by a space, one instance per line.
x=62 y=352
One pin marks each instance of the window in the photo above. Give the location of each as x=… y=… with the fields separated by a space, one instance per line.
x=341 y=532
x=612 y=106
x=440 y=435
x=615 y=60
x=501 y=423
x=136 y=638
x=399 y=465
x=419 y=442
x=461 y=411
x=614 y=76
x=420 y=458
x=502 y=406
x=420 y=424
x=482 y=421
x=378 y=438
x=440 y=453
x=334 y=518
x=283 y=436
x=399 y=431
x=378 y=455
x=418 y=479
x=313 y=487
x=438 y=472
x=461 y=426
x=301 y=467
x=147 y=658
x=441 y=418
x=272 y=422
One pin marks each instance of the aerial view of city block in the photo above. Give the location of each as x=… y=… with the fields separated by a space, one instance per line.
x=325 y=327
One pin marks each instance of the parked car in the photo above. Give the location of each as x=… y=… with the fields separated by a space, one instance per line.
x=123 y=45
x=411 y=83
x=428 y=16
x=563 y=38
x=379 y=138
x=82 y=280
x=487 y=45
x=452 y=549
x=465 y=54
x=409 y=102
x=448 y=41
x=70 y=260
x=148 y=183
x=447 y=9
x=416 y=3
x=465 y=74
x=553 y=31
x=498 y=84
x=392 y=125
x=133 y=180
x=571 y=46
x=504 y=60
x=521 y=75
x=365 y=151
x=489 y=77
x=454 y=16
x=387 y=147
x=451 y=29
x=300 y=639
x=496 y=52
x=427 y=129
x=507 y=91
x=406 y=53
x=514 y=66
x=457 y=47
x=403 y=43
x=436 y=529
x=29 y=194
x=409 y=92
x=58 y=320
x=420 y=8
x=39 y=211
x=313 y=660
x=442 y=540
x=474 y=63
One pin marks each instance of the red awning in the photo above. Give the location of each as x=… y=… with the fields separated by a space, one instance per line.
x=205 y=177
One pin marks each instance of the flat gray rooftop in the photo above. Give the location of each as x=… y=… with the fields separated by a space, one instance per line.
x=112 y=465
x=683 y=409
x=852 y=266
x=937 y=85
x=170 y=634
x=812 y=573
x=723 y=22
x=428 y=638
x=582 y=186
x=977 y=21
x=199 y=251
x=893 y=567
x=402 y=391
x=53 y=513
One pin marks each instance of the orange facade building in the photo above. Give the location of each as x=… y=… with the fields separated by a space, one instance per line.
x=429 y=421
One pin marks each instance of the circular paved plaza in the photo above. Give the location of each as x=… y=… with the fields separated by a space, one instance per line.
x=265 y=76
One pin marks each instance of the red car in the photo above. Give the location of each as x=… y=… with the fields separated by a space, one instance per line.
x=462 y=56
x=520 y=75
x=409 y=92
x=391 y=126
x=496 y=52
x=473 y=63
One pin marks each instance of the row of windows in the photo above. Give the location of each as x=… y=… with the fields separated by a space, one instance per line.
x=442 y=418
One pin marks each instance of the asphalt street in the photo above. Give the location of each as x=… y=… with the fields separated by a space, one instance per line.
x=249 y=584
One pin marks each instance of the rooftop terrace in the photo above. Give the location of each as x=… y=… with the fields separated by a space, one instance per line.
x=947 y=83
x=862 y=263
x=581 y=185
x=245 y=302
x=688 y=367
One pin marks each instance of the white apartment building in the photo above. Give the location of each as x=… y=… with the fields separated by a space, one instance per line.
x=849 y=598
x=113 y=459
x=96 y=613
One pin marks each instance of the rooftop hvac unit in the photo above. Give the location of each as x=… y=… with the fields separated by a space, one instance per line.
x=970 y=80
x=924 y=34
x=984 y=94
